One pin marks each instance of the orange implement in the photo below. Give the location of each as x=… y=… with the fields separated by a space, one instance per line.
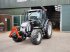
x=14 y=29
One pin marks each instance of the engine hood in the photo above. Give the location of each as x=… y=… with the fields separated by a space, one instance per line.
x=24 y=24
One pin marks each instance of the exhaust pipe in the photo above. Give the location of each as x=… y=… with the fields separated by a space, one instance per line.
x=43 y=8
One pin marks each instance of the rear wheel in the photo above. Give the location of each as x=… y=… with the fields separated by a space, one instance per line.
x=48 y=32
x=36 y=36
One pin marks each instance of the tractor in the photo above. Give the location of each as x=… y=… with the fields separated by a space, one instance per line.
x=36 y=26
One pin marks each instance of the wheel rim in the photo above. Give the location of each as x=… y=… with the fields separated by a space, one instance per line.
x=49 y=30
x=39 y=36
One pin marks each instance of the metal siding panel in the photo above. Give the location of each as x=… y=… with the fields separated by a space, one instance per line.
x=14 y=11
x=63 y=1
x=29 y=3
x=65 y=17
x=1 y=3
x=4 y=3
x=49 y=2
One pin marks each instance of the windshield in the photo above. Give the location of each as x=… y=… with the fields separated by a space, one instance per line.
x=33 y=15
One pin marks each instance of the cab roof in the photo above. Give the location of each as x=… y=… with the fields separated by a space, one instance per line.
x=35 y=10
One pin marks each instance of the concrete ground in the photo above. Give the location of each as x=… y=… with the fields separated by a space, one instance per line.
x=60 y=42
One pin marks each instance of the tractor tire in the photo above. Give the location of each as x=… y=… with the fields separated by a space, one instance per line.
x=16 y=39
x=36 y=36
x=48 y=32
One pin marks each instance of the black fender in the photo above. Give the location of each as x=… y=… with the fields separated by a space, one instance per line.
x=46 y=23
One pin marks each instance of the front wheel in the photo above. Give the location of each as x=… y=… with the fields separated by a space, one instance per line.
x=36 y=36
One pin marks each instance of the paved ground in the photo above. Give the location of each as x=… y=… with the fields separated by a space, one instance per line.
x=60 y=42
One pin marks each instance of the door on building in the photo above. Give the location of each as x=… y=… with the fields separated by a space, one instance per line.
x=8 y=24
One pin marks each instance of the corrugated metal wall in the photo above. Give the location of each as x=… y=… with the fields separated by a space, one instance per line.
x=65 y=18
x=29 y=3
x=16 y=11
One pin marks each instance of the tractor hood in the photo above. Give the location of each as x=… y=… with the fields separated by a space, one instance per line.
x=25 y=26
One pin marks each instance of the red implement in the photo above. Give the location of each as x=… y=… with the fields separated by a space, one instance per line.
x=14 y=29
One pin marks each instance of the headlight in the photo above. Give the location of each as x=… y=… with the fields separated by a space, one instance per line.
x=22 y=28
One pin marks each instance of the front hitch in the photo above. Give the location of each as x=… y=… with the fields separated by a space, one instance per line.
x=15 y=30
